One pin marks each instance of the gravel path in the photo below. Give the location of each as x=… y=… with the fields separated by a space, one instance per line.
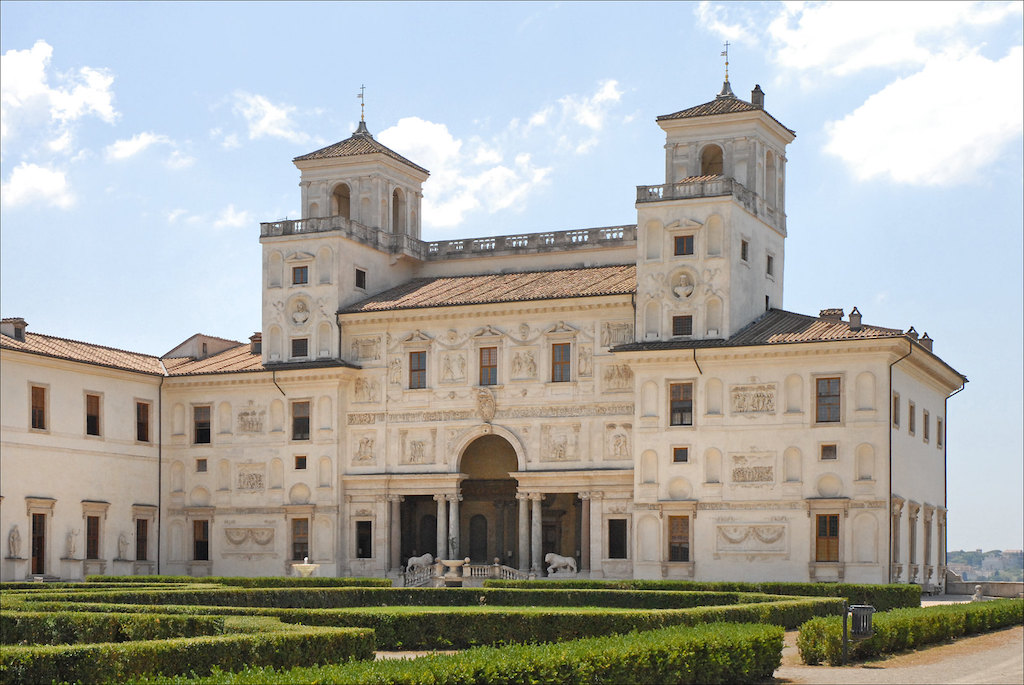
x=991 y=658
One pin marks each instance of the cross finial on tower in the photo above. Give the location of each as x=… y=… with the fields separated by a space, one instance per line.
x=362 y=98
x=725 y=54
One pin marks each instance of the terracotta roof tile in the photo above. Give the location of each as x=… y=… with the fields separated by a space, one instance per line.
x=447 y=291
x=358 y=143
x=720 y=105
x=74 y=350
x=229 y=361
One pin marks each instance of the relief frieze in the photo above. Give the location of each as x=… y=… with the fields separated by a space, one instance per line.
x=556 y=411
x=753 y=399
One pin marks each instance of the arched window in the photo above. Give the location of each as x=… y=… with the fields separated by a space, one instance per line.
x=341 y=201
x=711 y=161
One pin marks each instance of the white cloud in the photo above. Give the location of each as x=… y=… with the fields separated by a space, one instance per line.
x=939 y=126
x=124 y=149
x=721 y=20
x=179 y=160
x=267 y=120
x=28 y=100
x=31 y=183
x=230 y=217
x=175 y=214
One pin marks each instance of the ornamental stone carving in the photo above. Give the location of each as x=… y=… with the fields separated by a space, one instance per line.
x=683 y=285
x=560 y=443
x=250 y=479
x=14 y=543
x=300 y=313
x=453 y=368
x=485 y=404
x=395 y=371
x=417 y=446
x=250 y=419
x=524 y=365
x=750 y=538
x=366 y=390
x=586 y=361
x=364 y=450
x=366 y=348
x=616 y=333
x=753 y=399
x=617 y=441
x=618 y=378
x=249 y=540
x=753 y=470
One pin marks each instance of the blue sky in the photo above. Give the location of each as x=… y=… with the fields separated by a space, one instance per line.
x=142 y=144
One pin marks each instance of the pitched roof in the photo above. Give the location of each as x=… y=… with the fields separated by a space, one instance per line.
x=89 y=353
x=359 y=143
x=444 y=291
x=229 y=361
x=776 y=326
x=726 y=104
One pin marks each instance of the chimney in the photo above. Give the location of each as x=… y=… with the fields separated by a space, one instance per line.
x=855 y=319
x=757 y=97
x=13 y=327
x=834 y=315
x=911 y=333
x=256 y=343
x=926 y=341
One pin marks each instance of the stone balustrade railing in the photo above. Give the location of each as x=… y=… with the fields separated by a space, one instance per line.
x=711 y=187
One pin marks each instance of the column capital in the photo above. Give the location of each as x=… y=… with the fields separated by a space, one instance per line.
x=583 y=495
x=396 y=498
x=522 y=496
x=440 y=498
x=536 y=496
x=454 y=498
x=596 y=495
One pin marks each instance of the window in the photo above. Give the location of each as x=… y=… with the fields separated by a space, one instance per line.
x=617 y=539
x=200 y=465
x=142 y=421
x=361 y=279
x=896 y=410
x=678 y=538
x=938 y=432
x=560 y=364
x=925 y=425
x=38 y=407
x=488 y=366
x=201 y=540
x=684 y=244
x=681 y=404
x=417 y=370
x=745 y=250
x=364 y=539
x=300 y=420
x=829 y=452
x=828 y=405
x=300 y=539
x=912 y=418
x=300 y=275
x=300 y=463
x=827 y=540
x=680 y=455
x=92 y=537
x=769 y=268
x=682 y=325
x=300 y=347
x=201 y=425
x=92 y=414
x=141 y=539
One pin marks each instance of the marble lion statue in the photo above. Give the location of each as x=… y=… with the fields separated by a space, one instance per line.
x=557 y=563
x=422 y=560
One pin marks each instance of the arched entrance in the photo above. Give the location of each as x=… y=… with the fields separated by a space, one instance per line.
x=488 y=507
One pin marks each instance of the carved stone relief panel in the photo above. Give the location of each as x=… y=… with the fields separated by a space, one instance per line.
x=616 y=333
x=395 y=371
x=366 y=348
x=453 y=367
x=753 y=399
x=560 y=442
x=251 y=477
x=751 y=538
x=618 y=378
x=249 y=541
x=752 y=470
x=618 y=441
x=524 y=364
x=366 y=390
x=364 y=448
x=418 y=445
x=586 y=363
x=251 y=418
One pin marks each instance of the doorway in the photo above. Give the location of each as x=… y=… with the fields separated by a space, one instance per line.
x=38 y=544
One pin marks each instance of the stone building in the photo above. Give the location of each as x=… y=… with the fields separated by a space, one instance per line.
x=634 y=397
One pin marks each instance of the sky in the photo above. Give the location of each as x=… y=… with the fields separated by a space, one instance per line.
x=142 y=143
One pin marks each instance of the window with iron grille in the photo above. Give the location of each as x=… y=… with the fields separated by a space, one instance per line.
x=561 y=366
x=827 y=400
x=488 y=366
x=417 y=370
x=681 y=404
x=678 y=538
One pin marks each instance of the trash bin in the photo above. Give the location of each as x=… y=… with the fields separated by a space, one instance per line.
x=861 y=629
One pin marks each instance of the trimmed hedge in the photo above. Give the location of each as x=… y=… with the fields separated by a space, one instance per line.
x=882 y=597
x=253 y=581
x=716 y=653
x=821 y=639
x=107 y=662
x=66 y=627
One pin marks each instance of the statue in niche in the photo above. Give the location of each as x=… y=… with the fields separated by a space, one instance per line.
x=301 y=313
x=684 y=288
x=364 y=453
x=395 y=371
x=14 y=543
x=71 y=544
x=122 y=546
x=586 y=361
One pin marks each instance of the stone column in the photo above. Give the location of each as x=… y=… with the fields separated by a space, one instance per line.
x=597 y=544
x=585 y=531
x=499 y=530
x=396 y=531
x=442 y=527
x=535 y=532
x=453 y=526
x=524 y=531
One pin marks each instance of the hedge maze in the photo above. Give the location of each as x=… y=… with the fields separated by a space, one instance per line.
x=259 y=630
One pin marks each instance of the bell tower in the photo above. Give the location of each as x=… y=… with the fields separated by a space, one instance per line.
x=710 y=240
